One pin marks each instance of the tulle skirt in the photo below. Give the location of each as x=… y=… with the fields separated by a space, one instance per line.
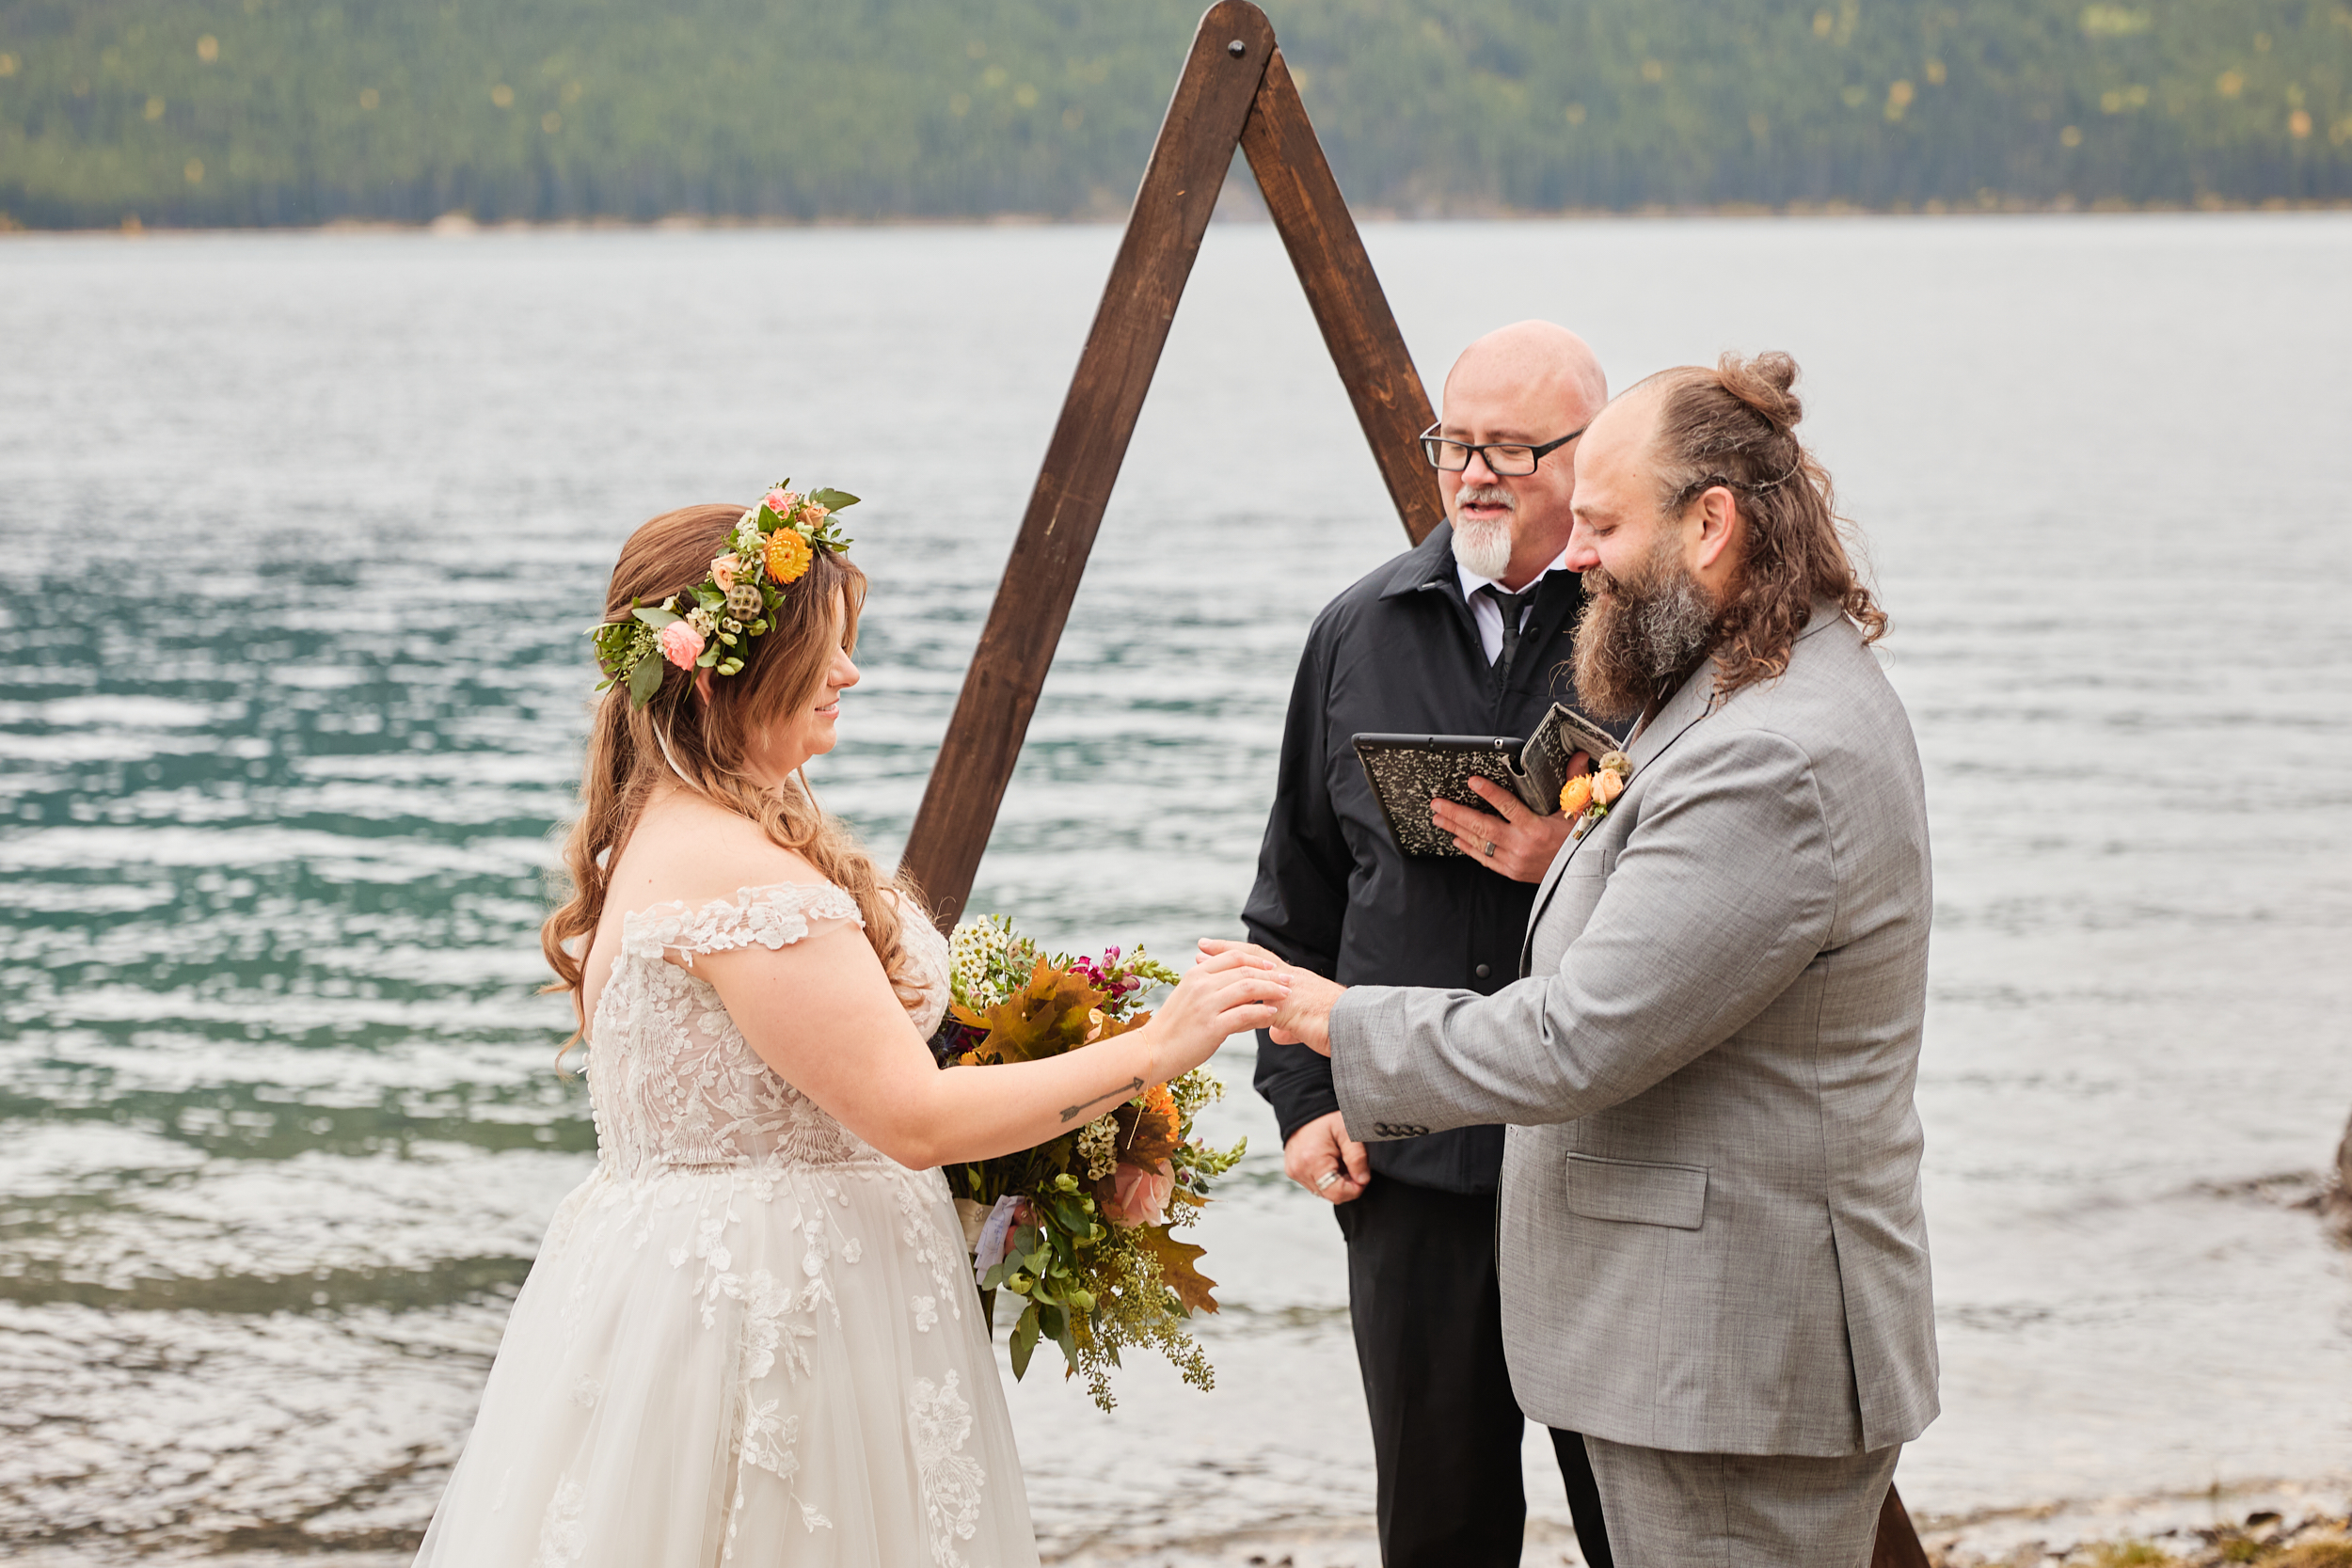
x=764 y=1365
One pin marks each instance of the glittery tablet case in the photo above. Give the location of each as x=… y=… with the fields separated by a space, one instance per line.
x=1408 y=772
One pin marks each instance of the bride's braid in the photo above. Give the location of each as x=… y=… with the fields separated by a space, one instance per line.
x=708 y=744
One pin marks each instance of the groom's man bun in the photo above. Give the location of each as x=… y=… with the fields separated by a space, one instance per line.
x=1736 y=426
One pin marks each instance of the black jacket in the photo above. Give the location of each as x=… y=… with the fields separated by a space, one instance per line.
x=1397 y=652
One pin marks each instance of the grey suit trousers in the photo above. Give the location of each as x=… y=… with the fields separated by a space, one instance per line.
x=1671 y=1509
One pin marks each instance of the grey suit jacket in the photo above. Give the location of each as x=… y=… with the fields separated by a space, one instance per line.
x=1710 y=1235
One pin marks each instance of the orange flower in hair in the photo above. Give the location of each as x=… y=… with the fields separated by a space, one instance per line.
x=710 y=626
x=788 y=555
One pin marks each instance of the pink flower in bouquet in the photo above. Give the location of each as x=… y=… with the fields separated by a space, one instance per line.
x=723 y=571
x=681 y=644
x=1139 y=1197
x=781 y=502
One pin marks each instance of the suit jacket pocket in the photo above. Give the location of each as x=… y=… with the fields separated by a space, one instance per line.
x=1635 y=1192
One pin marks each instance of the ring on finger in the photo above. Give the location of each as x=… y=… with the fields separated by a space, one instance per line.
x=1324 y=1181
x=1491 y=848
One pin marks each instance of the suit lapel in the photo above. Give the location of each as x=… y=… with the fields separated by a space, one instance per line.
x=1692 y=702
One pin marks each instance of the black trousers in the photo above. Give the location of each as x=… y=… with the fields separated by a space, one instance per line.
x=1445 y=1428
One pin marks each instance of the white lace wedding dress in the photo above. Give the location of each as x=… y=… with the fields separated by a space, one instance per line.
x=749 y=1338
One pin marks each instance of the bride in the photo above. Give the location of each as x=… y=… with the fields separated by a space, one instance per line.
x=752 y=1335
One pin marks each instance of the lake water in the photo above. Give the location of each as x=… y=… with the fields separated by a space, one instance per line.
x=298 y=534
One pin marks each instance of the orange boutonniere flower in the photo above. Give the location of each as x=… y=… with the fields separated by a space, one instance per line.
x=1588 y=796
x=788 y=555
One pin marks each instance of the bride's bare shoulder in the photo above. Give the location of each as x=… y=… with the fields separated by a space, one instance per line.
x=688 y=851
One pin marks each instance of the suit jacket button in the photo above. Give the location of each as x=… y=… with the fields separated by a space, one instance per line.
x=1482 y=970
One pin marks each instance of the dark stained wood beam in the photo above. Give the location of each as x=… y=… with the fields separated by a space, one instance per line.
x=1180 y=189
x=1898 y=1545
x=1345 y=293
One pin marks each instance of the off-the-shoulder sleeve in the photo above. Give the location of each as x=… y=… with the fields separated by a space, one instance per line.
x=772 y=918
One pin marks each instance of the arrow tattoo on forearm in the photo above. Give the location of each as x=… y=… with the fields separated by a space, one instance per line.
x=1070 y=1113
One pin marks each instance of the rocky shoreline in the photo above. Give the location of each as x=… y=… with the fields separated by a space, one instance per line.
x=2285 y=1524
x=2280 y=1524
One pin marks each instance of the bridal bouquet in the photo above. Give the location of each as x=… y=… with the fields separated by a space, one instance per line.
x=1083 y=1228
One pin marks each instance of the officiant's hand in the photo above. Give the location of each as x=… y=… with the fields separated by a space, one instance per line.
x=1322 y=1158
x=1304 y=1015
x=1518 y=845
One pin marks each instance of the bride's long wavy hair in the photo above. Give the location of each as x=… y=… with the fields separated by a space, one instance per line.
x=709 y=741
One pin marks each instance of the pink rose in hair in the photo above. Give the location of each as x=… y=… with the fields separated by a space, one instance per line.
x=723 y=569
x=781 y=502
x=1139 y=1197
x=681 y=644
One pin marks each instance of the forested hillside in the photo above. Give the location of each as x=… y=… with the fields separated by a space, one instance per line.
x=304 y=111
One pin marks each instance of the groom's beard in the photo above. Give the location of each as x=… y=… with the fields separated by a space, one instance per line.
x=1639 y=634
x=1484 y=547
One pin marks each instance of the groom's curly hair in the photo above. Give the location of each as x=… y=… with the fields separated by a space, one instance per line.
x=1736 y=426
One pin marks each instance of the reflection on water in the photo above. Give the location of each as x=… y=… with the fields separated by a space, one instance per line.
x=297 y=535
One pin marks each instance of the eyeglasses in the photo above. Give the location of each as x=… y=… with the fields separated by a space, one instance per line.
x=1511 y=459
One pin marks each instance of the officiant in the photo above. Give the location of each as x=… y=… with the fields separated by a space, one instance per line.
x=1468 y=633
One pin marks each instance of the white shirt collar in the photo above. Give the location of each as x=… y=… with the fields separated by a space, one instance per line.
x=1485 y=614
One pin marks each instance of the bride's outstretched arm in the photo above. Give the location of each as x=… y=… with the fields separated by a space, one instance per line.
x=822 y=1013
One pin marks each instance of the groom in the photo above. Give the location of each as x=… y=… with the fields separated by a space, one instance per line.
x=1713 y=1259
x=1465 y=634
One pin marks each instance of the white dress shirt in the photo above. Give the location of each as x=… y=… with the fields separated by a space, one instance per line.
x=1487 y=613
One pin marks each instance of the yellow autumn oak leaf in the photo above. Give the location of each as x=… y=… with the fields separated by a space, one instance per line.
x=1047 y=1017
x=1114 y=1027
x=1192 y=1287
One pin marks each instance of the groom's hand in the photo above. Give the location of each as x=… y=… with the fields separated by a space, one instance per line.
x=1322 y=1158
x=1519 y=845
x=1304 y=1015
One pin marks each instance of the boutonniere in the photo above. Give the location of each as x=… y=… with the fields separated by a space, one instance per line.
x=1588 y=796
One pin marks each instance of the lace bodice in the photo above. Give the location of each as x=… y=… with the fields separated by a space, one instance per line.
x=672 y=1081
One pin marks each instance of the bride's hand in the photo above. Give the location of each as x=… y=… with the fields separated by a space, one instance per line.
x=1305 y=1015
x=1228 y=995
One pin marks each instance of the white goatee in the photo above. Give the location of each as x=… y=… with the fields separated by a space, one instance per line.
x=1484 y=548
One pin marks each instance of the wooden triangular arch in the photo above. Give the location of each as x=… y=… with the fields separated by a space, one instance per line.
x=1235 y=91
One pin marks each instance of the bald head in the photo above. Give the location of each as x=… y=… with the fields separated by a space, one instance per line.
x=1532 y=384
x=1535 y=361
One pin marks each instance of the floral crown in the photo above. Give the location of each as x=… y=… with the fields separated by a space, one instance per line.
x=709 y=626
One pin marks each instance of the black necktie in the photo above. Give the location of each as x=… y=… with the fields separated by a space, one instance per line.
x=1511 y=605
